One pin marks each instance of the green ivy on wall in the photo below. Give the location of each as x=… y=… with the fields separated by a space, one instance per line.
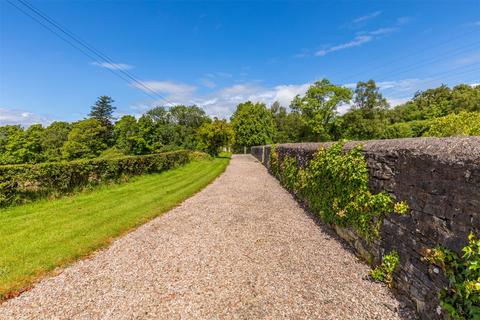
x=461 y=300
x=334 y=184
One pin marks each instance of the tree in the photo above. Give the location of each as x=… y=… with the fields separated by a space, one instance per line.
x=366 y=118
x=102 y=110
x=318 y=106
x=188 y=116
x=128 y=138
x=215 y=135
x=54 y=136
x=252 y=124
x=86 y=140
x=159 y=115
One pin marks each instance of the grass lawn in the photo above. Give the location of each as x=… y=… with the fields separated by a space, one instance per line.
x=36 y=238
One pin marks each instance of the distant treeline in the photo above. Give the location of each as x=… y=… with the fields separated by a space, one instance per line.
x=441 y=111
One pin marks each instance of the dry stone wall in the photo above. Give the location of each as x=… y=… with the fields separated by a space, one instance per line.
x=440 y=180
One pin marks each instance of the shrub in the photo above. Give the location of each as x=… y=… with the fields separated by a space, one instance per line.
x=409 y=129
x=21 y=183
x=460 y=124
x=461 y=300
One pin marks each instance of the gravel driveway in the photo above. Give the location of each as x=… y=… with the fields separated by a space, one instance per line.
x=240 y=249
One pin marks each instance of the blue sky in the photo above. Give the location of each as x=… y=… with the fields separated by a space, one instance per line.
x=219 y=53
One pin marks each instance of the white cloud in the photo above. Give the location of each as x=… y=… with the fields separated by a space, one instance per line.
x=22 y=117
x=360 y=39
x=367 y=17
x=168 y=87
x=112 y=66
x=208 y=83
x=222 y=102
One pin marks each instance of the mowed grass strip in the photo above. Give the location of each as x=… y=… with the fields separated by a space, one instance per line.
x=38 y=237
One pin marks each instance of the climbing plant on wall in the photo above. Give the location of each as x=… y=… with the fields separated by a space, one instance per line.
x=461 y=300
x=334 y=184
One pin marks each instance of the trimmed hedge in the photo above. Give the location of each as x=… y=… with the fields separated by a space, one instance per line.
x=21 y=183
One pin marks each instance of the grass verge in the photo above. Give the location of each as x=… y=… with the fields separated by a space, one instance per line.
x=38 y=237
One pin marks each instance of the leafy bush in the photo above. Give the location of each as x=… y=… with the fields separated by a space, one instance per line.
x=460 y=124
x=461 y=300
x=384 y=272
x=20 y=183
x=409 y=129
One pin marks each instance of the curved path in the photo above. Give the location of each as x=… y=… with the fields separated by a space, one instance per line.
x=240 y=249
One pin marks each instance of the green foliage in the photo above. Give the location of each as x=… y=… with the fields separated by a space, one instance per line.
x=318 y=106
x=213 y=136
x=253 y=124
x=86 y=140
x=54 y=136
x=128 y=137
x=401 y=208
x=461 y=300
x=20 y=183
x=411 y=129
x=461 y=124
x=384 y=272
x=334 y=184
x=366 y=118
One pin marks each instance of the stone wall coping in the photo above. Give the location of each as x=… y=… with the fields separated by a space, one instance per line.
x=451 y=149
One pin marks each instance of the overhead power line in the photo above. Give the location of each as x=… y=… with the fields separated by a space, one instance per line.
x=82 y=46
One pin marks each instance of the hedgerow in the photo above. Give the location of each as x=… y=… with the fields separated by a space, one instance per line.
x=22 y=183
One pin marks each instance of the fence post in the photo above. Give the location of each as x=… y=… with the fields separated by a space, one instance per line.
x=244 y=150
x=263 y=154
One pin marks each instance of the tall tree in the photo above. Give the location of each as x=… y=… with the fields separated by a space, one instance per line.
x=319 y=105
x=366 y=118
x=253 y=124
x=103 y=110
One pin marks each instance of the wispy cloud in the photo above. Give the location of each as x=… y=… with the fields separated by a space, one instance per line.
x=168 y=87
x=112 y=66
x=360 y=39
x=366 y=17
x=356 y=42
x=22 y=117
x=468 y=60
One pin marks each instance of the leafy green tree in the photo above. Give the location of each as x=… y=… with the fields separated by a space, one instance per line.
x=9 y=140
x=366 y=118
x=188 y=116
x=128 y=138
x=159 y=115
x=86 y=140
x=252 y=124
x=21 y=146
x=54 y=136
x=216 y=135
x=318 y=106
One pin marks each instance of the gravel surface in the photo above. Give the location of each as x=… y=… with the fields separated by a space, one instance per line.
x=242 y=248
